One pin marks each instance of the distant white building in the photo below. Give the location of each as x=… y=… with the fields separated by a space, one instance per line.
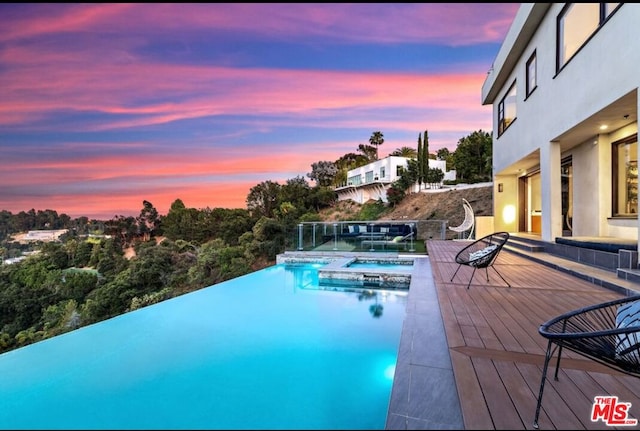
x=372 y=181
x=12 y=260
x=40 y=235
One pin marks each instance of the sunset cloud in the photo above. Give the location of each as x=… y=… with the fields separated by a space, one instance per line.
x=106 y=105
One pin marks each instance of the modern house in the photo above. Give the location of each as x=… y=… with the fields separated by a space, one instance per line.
x=372 y=181
x=564 y=91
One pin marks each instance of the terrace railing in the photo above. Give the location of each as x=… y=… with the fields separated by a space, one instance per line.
x=366 y=235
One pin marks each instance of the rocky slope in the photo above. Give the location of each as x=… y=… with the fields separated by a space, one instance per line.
x=444 y=205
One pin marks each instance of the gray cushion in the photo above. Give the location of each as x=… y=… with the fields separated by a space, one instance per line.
x=482 y=252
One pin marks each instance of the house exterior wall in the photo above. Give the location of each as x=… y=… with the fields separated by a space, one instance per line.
x=561 y=117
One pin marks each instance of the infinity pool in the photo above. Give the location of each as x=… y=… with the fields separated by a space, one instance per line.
x=269 y=350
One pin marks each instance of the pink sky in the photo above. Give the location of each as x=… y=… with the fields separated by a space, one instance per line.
x=106 y=105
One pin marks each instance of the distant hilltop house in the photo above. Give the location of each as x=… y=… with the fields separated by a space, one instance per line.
x=372 y=181
x=41 y=235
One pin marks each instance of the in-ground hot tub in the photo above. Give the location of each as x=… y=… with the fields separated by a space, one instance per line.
x=379 y=272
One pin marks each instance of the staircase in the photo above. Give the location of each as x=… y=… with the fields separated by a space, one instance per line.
x=618 y=271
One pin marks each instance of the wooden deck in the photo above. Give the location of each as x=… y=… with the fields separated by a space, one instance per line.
x=497 y=353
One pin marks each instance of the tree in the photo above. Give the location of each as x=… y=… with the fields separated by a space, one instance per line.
x=262 y=200
x=351 y=161
x=421 y=172
x=323 y=173
x=369 y=152
x=424 y=157
x=444 y=154
x=321 y=197
x=407 y=152
x=181 y=222
x=396 y=193
x=408 y=177
x=375 y=141
x=123 y=228
x=148 y=220
x=269 y=237
x=473 y=157
x=434 y=176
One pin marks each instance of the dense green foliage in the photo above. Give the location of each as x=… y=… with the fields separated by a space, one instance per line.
x=473 y=157
x=85 y=277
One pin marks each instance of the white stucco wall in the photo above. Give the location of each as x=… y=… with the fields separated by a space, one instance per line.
x=593 y=79
x=604 y=70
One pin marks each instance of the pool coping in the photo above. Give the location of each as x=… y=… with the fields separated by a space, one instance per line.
x=424 y=393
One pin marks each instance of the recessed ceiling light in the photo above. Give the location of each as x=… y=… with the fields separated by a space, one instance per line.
x=603 y=127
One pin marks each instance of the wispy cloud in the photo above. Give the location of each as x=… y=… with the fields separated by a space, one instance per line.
x=106 y=105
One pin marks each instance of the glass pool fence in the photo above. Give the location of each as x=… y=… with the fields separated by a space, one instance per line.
x=406 y=236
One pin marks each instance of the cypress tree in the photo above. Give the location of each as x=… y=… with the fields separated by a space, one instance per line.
x=425 y=156
x=419 y=154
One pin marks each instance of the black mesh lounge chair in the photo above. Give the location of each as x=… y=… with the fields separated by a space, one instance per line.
x=482 y=253
x=608 y=333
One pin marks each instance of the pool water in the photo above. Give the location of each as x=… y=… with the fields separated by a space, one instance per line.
x=262 y=351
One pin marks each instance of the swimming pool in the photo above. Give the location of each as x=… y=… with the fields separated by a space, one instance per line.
x=262 y=351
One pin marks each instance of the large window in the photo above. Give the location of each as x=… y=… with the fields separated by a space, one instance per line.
x=368 y=176
x=576 y=24
x=507 y=110
x=625 y=177
x=532 y=72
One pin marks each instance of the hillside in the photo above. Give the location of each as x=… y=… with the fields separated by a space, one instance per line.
x=441 y=205
x=446 y=205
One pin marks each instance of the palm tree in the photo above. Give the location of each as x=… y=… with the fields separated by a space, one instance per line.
x=376 y=140
x=408 y=152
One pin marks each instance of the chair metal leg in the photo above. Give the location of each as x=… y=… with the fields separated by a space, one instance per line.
x=501 y=276
x=555 y=376
x=547 y=358
x=470 y=279
x=454 y=274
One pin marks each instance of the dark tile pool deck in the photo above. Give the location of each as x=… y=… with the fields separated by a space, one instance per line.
x=424 y=394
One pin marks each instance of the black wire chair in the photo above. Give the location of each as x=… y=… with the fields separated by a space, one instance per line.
x=608 y=333
x=482 y=253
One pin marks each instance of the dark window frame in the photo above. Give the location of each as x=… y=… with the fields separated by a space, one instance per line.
x=533 y=60
x=602 y=20
x=502 y=121
x=615 y=166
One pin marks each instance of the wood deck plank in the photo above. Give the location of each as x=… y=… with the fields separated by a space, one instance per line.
x=474 y=411
x=499 y=400
x=497 y=352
